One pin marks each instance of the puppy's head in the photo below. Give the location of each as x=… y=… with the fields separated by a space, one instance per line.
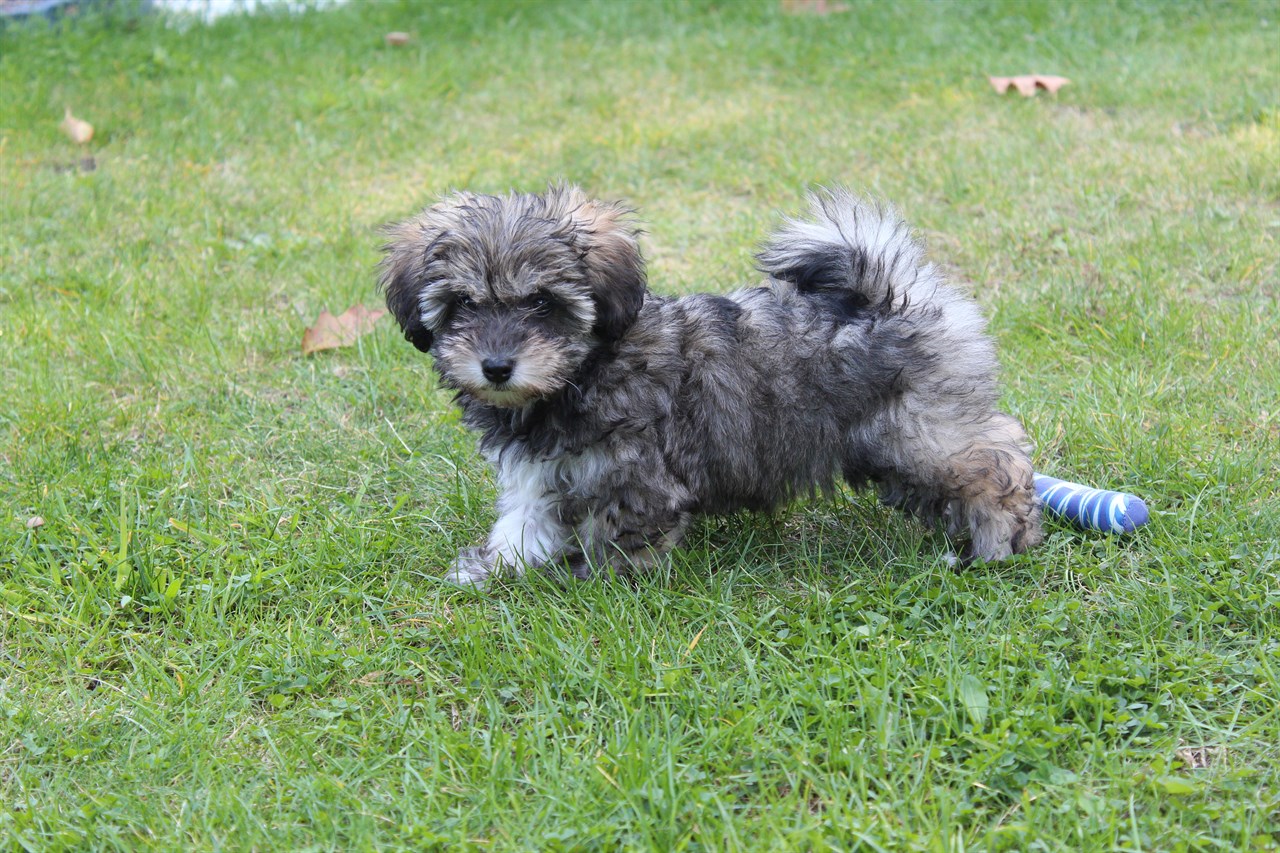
x=512 y=293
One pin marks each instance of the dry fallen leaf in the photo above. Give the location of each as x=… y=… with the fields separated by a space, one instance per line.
x=397 y=39
x=813 y=7
x=79 y=130
x=1027 y=84
x=331 y=332
x=1200 y=757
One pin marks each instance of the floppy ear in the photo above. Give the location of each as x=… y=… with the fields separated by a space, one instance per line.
x=611 y=259
x=402 y=274
x=400 y=277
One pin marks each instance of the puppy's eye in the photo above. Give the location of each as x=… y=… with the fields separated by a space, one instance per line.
x=464 y=302
x=542 y=305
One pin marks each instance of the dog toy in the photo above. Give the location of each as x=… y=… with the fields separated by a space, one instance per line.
x=1091 y=509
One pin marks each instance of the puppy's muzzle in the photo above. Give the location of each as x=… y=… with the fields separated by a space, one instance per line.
x=498 y=370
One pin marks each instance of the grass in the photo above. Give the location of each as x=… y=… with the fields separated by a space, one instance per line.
x=230 y=632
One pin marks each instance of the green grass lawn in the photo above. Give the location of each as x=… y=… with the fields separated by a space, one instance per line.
x=230 y=632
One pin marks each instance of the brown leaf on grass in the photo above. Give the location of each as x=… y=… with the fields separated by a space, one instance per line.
x=396 y=39
x=1200 y=757
x=331 y=332
x=1027 y=84
x=79 y=130
x=813 y=7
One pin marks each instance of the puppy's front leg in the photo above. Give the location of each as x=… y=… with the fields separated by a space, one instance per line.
x=621 y=542
x=523 y=537
x=528 y=532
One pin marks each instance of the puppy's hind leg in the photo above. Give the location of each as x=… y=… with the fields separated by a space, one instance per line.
x=997 y=501
x=973 y=474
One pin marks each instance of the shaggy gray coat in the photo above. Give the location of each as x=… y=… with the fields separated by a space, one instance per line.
x=612 y=414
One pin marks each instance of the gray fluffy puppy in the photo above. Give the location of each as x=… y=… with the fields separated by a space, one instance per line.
x=612 y=415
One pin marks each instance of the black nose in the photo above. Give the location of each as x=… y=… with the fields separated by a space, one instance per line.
x=497 y=370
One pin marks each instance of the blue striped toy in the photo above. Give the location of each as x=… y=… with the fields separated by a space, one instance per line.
x=1091 y=509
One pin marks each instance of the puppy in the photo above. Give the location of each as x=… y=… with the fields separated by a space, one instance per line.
x=612 y=415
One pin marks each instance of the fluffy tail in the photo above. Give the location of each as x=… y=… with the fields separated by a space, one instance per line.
x=859 y=252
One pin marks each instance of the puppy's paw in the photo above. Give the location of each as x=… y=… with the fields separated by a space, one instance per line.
x=471 y=568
